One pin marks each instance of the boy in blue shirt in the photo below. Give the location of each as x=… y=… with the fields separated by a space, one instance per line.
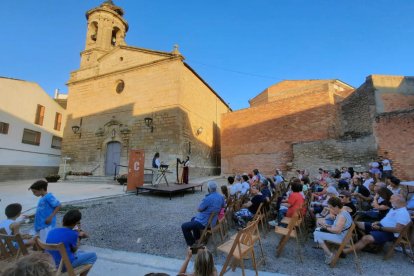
x=47 y=208
x=69 y=235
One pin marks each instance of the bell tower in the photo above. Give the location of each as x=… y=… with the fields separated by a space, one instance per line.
x=106 y=30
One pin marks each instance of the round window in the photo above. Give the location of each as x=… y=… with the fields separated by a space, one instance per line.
x=120 y=85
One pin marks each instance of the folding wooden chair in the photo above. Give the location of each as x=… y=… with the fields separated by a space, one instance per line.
x=403 y=241
x=242 y=246
x=347 y=241
x=11 y=246
x=260 y=217
x=208 y=230
x=255 y=238
x=287 y=233
x=300 y=223
x=65 y=262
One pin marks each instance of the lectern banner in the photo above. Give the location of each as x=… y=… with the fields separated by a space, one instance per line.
x=135 y=169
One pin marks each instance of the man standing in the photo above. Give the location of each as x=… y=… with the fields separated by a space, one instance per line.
x=386 y=167
x=213 y=202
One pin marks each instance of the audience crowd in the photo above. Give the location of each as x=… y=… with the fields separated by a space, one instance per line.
x=374 y=201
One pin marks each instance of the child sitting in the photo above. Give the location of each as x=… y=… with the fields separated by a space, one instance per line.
x=47 y=208
x=69 y=235
x=12 y=223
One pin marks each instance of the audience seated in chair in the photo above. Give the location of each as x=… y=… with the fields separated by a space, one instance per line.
x=213 y=202
x=35 y=264
x=249 y=209
x=245 y=188
x=394 y=186
x=294 y=201
x=203 y=263
x=264 y=189
x=13 y=222
x=361 y=194
x=335 y=232
x=234 y=187
x=388 y=228
x=69 y=235
x=349 y=206
x=381 y=205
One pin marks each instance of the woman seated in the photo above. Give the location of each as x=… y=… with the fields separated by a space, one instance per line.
x=289 y=206
x=336 y=232
x=322 y=202
x=381 y=205
x=249 y=209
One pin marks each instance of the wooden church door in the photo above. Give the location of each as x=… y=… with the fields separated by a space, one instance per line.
x=113 y=156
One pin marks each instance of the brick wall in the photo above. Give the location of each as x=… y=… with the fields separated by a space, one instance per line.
x=358 y=111
x=395 y=102
x=261 y=137
x=330 y=154
x=394 y=133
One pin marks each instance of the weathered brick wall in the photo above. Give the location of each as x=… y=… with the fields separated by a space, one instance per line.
x=25 y=172
x=331 y=154
x=394 y=102
x=261 y=137
x=358 y=111
x=395 y=137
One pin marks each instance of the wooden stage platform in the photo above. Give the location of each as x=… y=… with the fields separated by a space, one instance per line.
x=170 y=189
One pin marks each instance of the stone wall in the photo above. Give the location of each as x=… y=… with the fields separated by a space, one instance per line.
x=394 y=133
x=330 y=154
x=185 y=116
x=25 y=172
x=358 y=111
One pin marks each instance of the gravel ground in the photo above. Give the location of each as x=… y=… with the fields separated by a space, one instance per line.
x=152 y=224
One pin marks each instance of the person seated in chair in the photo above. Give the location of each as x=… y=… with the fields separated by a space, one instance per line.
x=69 y=235
x=336 y=232
x=291 y=204
x=13 y=222
x=249 y=209
x=386 y=229
x=213 y=202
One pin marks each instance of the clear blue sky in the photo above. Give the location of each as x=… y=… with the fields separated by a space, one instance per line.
x=239 y=47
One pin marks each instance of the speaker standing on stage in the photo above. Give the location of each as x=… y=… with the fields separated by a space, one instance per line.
x=186 y=163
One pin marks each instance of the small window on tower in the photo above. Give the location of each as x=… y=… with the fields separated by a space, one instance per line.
x=94 y=31
x=120 y=85
x=115 y=34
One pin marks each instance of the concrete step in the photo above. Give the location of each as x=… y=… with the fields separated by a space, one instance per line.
x=91 y=179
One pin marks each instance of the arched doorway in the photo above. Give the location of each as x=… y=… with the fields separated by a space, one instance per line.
x=113 y=156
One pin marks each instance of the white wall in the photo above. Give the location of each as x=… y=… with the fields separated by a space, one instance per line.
x=18 y=105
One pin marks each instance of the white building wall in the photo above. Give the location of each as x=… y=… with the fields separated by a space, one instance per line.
x=18 y=105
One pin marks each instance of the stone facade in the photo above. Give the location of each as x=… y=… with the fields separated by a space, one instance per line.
x=335 y=153
x=118 y=86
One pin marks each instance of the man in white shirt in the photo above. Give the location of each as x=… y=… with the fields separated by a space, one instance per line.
x=235 y=187
x=278 y=177
x=368 y=180
x=245 y=185
x=387 y=229
x=386 y=168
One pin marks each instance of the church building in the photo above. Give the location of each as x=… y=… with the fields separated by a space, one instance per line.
x=124 y=97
